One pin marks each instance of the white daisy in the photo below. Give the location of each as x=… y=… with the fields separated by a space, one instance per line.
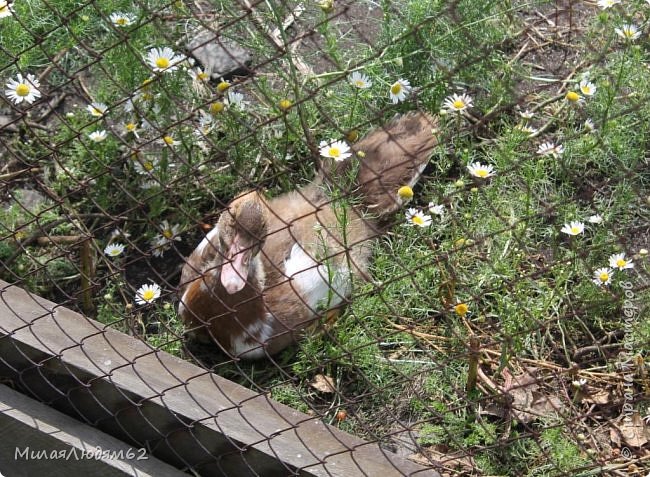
x=147 y=294
x=417 y=217
x=158 y=247
x=98 y=136
x=360 y=80
x=206 y=124
x=116 y=232
x=602 y=276
x=97 y=110
x=595 y=219
x=120 y=19
x=129 y=104
x=145 y=166
x=578 y=383
x=146 y=125
x=399 y=90
x=23 y=89
x=457 y=102
x=163 y=241
x=144 y=94
x=573 y=228
x=550 y=149
x=131 y=128
x=589 y=125
x=337 y=150
x=525 y=128
x=436 y=209
x=628 y=32
x=6 y=10
x=235 y=100
x=163 y=59
x=150 y=184
x=114 y=249
x=619 y=262
x=481 y=171
x=605 y=4
x=168 y=140
x=198 y=75
x=526 y=114
x=587 y=88
x=170 y=232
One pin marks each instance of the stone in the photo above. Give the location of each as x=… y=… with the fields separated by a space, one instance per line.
x=219 y=56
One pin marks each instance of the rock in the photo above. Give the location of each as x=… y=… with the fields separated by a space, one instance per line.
x=7 y=124
x=220 y=57
x=29 y=199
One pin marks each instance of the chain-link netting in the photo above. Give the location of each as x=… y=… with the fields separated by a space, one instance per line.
x=422 y=222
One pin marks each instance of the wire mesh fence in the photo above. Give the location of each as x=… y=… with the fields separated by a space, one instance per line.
x=423 y=223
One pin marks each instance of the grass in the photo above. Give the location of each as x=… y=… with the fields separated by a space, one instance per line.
x=399 y=356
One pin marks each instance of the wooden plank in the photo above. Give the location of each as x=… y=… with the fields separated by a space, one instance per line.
x=38 y=440
x=183 y=414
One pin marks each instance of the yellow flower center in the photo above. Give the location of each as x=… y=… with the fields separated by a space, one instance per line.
x=22 y=89
x=284 y=104
x=147 y=165
x=114 y=252
x=167 y=234
x=628 y=32
x=572 y=96
x=620 y=263
x=326 y=5
x=459 y=104
x=417 y=220
x=148 y=294
x=203 y=76
x=168 y=140
x=461 y=309
x=604 y=276
x=396 y=89
x=585 y=89
x=482 y=173
x=97 y=112
x=405 y=192
x=335 y=152
x=121 y=21
x=216 y=108
x=223 y=86
x=575 y=230
x=359 y=83
x=162 y=62
x=130 y=127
